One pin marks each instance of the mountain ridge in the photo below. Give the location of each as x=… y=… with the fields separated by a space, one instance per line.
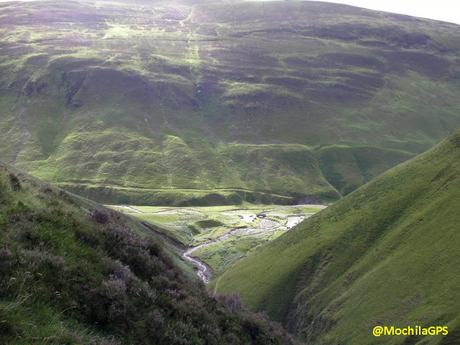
x=155 y=95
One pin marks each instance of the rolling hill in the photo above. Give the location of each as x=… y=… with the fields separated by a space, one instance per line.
x=75 y=273
x=209 y=102
x=387 y=254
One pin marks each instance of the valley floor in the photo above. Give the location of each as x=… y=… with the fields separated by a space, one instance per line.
x=216 y=237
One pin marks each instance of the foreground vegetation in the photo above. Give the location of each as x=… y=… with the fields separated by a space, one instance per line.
x=179 y=103
x=73 y=272
x=387 y=254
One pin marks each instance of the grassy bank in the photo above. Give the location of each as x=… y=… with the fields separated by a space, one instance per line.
x=386 y=254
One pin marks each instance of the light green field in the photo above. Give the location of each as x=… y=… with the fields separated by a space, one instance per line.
x=222 y=234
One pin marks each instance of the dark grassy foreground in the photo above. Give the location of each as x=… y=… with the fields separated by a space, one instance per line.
x=387 y=254
x=72 y=272
x=216 y=102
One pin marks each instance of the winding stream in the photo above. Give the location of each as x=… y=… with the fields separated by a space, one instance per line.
x=204 y=272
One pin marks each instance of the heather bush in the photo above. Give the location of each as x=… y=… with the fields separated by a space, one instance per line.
x=97 y=275
x=118 y=270
x=7 y=262
x=231 y=301
x=155 y=321
x=14 y=182
x=5 y=256
x=86 y=237
x=41 y=261
x=111 y=341
x=100 y=217
x=113 y=300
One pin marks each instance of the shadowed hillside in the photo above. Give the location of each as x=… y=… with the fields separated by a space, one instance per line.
x=216 y=102
x=74 y=273
x=386 y=254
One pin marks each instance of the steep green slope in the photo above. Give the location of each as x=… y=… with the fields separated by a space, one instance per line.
x=213 y=102
x=386 y=254
x=72 y=272
x=347 y=167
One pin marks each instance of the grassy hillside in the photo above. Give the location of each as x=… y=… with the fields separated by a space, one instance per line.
x=73 y=273
x=217 y=102
x=386 y=254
